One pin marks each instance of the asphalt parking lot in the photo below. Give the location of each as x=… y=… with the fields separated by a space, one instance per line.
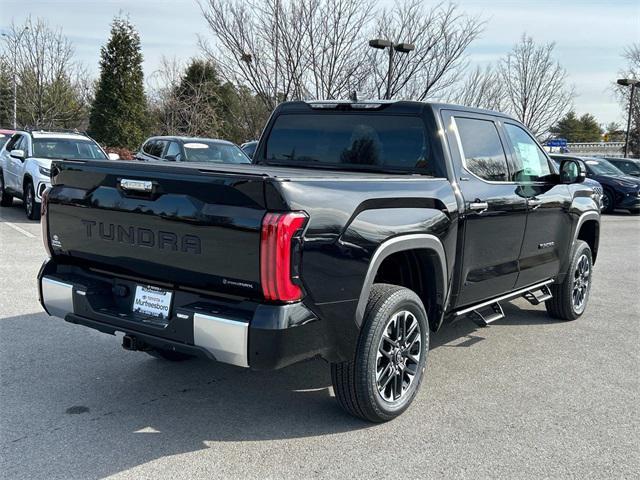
x=527 y=397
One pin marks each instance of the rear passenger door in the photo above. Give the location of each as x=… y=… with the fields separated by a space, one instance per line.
x=494 y=214
x=548 y=233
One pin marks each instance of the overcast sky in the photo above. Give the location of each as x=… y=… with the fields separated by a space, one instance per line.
x=590 y=35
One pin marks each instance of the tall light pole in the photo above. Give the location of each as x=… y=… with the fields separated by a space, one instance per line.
x=381 y=44
x=16 y=41
x=628 y=82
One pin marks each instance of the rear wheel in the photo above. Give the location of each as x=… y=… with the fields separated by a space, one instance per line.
x=31 y=207
x=384 y=377
x=571 y=296
x=5 y=198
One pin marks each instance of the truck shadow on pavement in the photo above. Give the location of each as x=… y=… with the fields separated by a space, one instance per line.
x=75 y=405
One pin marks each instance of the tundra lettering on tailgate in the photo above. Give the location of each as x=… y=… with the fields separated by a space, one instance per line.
x=142 y=237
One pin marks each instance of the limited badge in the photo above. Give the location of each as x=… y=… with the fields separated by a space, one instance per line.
x=55 y=242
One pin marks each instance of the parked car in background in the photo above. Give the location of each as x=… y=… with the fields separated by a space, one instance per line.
x=249 y=148
x=629 y=166
x=25 y=163
x=619 y=190
x=5 y=135
x=190 y=149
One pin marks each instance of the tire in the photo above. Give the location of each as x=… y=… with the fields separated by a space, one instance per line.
x=635 y=211
x=607 y=202
x=576 y=285
x=169 y=355
x=31 y=207
x=377 y=386
x=6 y=200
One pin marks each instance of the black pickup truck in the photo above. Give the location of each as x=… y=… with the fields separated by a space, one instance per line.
x=360 y=228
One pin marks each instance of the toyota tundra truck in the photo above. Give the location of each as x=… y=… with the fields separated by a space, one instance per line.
x=359 y=230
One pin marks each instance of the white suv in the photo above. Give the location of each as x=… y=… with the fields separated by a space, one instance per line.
x=25 y=163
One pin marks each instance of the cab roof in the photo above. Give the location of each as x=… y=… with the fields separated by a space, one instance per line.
x=391 y=106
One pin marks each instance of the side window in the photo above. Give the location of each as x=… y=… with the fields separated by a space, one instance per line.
x=157 y=148
x=482 y=149
x=12 y=144
x=173 y=152
x=531 y=163
x=146 y=147
x=22 y=144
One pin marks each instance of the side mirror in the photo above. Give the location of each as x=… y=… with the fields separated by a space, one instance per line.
x=19 y=154
x=172 y=158
x=572 y=171
x=113 y=156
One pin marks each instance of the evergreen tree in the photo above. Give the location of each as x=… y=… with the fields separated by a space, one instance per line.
x=574 y=129
x=566 y=127
x=119 y=112
x=590 y=130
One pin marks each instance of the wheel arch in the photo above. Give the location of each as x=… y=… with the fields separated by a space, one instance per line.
x=411 y=261
x=26 y=178
x=588 y=230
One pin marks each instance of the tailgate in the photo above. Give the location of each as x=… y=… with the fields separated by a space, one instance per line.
x=173 y=225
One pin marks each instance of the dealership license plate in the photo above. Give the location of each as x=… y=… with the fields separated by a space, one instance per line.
x=152 y=301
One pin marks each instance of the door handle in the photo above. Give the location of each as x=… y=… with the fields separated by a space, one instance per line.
x=479 y=207
x=534 y=202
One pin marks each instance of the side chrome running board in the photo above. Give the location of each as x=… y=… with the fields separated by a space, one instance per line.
x=490 y=310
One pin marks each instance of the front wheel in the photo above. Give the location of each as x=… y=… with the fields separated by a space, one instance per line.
x=384 y=377
x=31 y=207
x=570 y=297
x=607 y=202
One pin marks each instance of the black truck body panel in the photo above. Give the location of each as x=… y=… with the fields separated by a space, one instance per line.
x=197 y=233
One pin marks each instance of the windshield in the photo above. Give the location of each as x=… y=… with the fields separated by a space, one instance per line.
x=602 y=167
x=350 y=141
x=630 y=167
x=202 y=151
x=67 y=148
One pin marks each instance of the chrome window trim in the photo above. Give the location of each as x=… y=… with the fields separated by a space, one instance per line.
x=463 y=158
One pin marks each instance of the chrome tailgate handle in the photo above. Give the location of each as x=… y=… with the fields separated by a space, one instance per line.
x=136 y=185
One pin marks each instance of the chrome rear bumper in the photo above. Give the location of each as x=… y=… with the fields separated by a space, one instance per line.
x=225 y=339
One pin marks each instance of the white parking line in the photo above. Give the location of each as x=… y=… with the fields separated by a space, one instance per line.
x=19 y=229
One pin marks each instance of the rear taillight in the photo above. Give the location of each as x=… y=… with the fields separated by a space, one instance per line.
x=280 y=255
x=44 y=224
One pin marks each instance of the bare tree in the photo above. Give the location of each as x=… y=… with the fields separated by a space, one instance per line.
x=163 y=103
x=441 y=35
x=53 y=89
x=482 y=88
x=632 y=56
x=294 y=49
x=536 y=90
x=190 y=99
x=259 y=44
x=338 y=59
